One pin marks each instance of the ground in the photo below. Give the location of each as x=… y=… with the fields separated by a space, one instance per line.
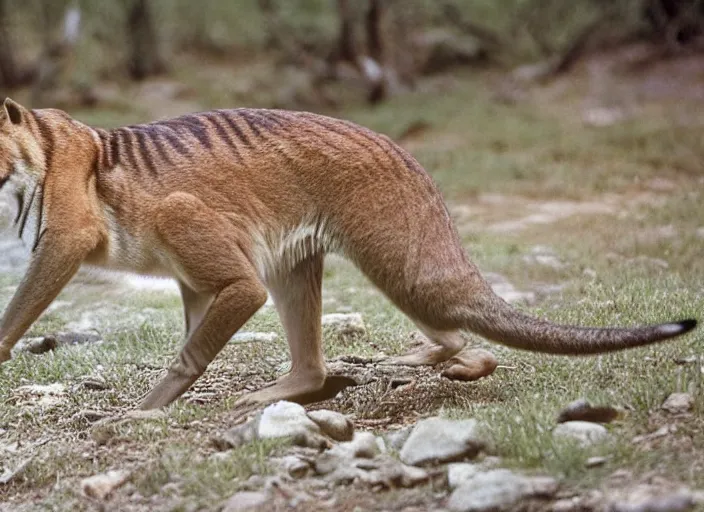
x=585 y=194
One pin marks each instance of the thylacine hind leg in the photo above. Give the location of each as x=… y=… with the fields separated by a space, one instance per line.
x=298 y=299
x=437 y=348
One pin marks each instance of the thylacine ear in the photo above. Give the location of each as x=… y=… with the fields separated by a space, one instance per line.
x=14 y=112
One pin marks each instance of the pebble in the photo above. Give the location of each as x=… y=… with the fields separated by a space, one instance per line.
x=101 y=486
x=678 y=403
x=346 y=324
x=584 y=432
x=497 y=490
x=246 y=501
x=333 y=424
x=443 y=440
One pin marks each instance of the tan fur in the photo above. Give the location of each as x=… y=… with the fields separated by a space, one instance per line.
x=234 y=203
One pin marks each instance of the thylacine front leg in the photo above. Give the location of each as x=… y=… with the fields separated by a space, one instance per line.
x=55 y=261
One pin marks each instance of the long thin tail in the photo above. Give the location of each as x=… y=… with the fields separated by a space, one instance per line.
x=496 y=320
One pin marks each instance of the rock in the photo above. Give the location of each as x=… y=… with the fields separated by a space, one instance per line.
x=333 y=424
x=585 y=433
x=346 y=324
x=442 y=440
x=593 y=462
x=648 y=498
x=363 y=445
x=246 y=501
x=293 y=466
x=499 y=489
x=582 y=410
x=94 y=383
x=39 y=345
x=678 y=403
x=101 y=486
x=396 y=438
x=459 y=472
x=286 y=419
x=237 y=435
x=254 y=337
x=471 y=365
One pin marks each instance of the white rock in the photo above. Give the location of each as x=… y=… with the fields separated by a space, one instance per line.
x=584 y=432
x=285 y=419
x=333 y=424
x=397 y=438
x=363 y=445
x=345 y=323
x=254 y=337
x=459 y=472
x=678 y=403
x=438 y=439
x=101 y=486
x=246 y=501
x=498 y=489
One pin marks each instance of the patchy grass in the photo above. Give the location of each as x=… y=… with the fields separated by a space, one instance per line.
x=637 y=262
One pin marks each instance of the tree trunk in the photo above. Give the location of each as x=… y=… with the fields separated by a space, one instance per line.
x=144 y=59
x=9 y=75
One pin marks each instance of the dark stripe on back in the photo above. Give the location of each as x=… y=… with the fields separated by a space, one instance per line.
x=193 y=125
x=126 y=136
x=145 y=151
x=47 y=136
x=173 y=138
x=222 y=133
x=149 y=131
x=251 y=121
x=224 y=115
x=114 y=149
x=331 y=126
x=389 y=146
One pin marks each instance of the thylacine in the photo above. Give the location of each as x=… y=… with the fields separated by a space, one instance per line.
x=232 y=203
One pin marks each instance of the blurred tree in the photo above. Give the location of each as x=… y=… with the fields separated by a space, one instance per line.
x=9 y=74
x=144 y=55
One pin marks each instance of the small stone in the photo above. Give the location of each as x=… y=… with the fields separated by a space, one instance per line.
x=582 y=410
x=293 y=466
x=363 y=445
x=442 y=440
x=396 y=438
x=471 y=365
x=459 y=472
x=647 y=498
x=40 y=345
x=254 y=337
x=678 y=403
x=91 y=415
x=346 y=324
x=101 y=486
x=237 y=435
x=584 y=432
x=593 y=462
x=333 y=424
x=499 y=489
x=94 y=383
x=285 y=419
x=246 y=501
